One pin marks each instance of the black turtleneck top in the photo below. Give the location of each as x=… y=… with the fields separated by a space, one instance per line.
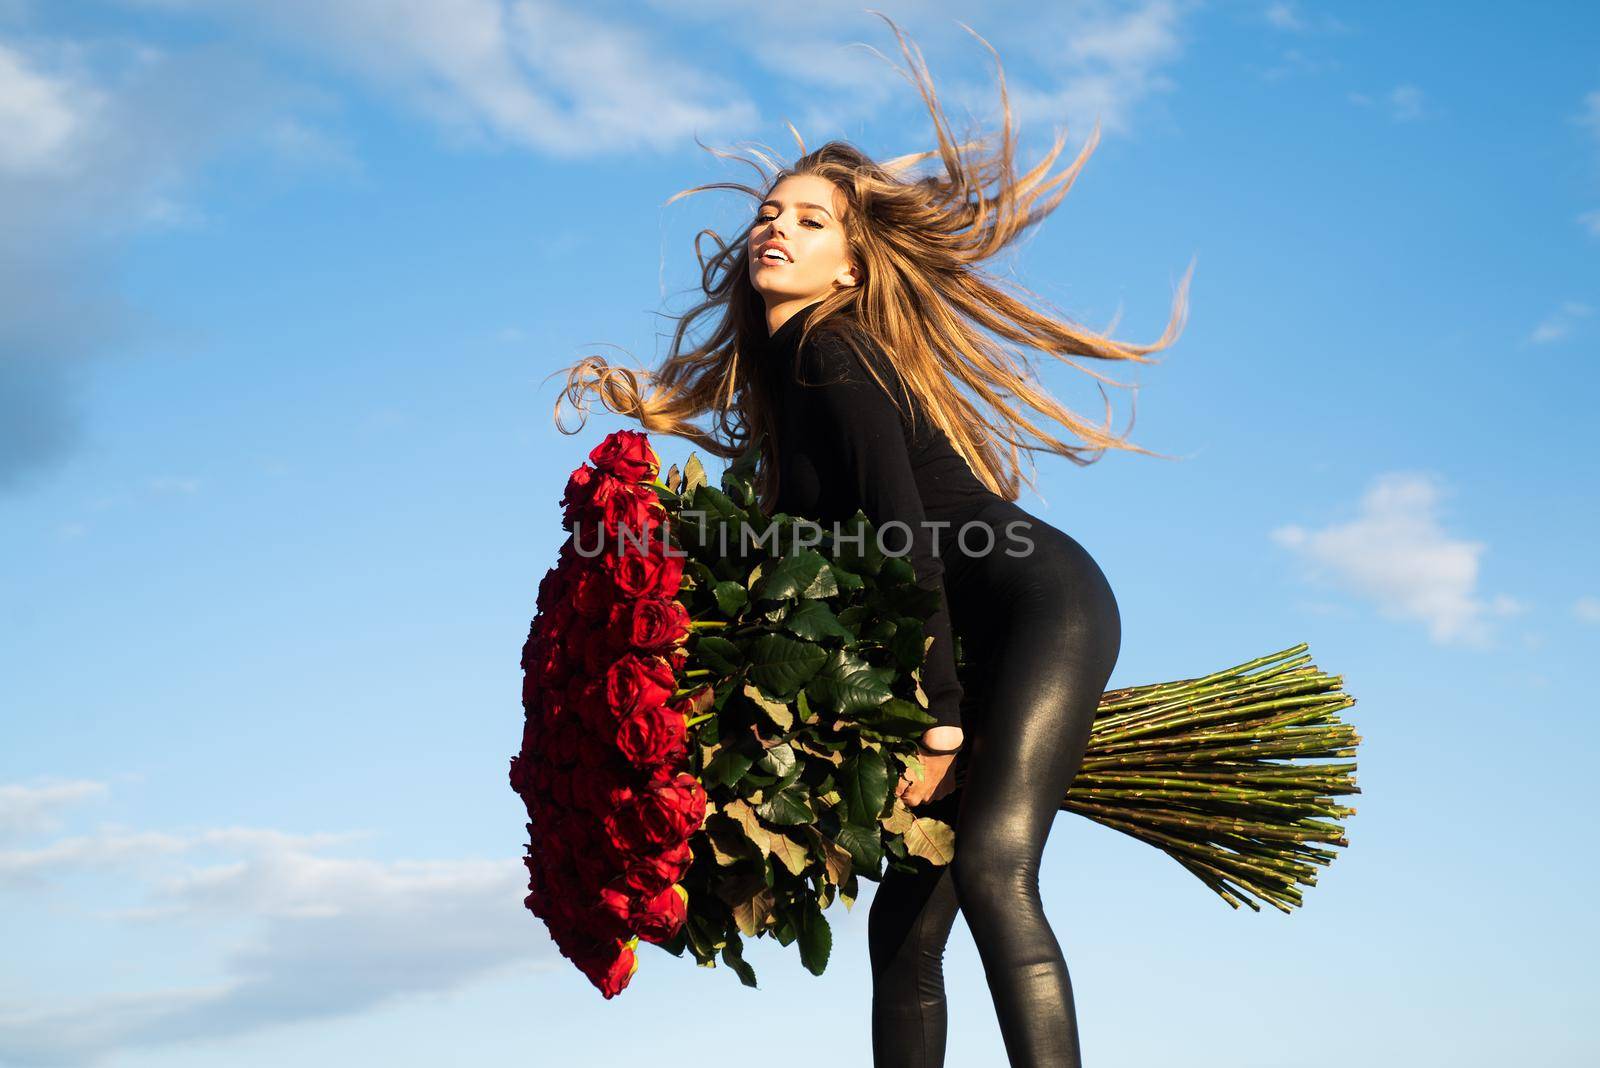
x=843 y=445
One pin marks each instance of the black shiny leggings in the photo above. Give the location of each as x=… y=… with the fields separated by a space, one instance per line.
x=1040 y=635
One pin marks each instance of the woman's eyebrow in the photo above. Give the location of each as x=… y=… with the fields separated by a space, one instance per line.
x=800 y=204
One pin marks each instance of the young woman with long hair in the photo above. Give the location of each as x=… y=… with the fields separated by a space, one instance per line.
x=850 y=335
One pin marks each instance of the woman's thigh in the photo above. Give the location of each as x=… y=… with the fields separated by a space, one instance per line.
x=1041 y=632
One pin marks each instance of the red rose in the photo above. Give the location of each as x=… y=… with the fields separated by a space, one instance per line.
x=576 y=497
x=553 y=704
x=591 y=594
x=590 y=504
x=662 y=816
x=548 y=662
x=627 y=454
x=551 y=588
x=613 y=912
x=650 y=874
x=562 y=745
x=632 y=514
x=652 y=624
x=659 y=918
x=597 y=652
x=609 y=968
x=653 y=574
x=687 y=799
x=599 y=794
x=597 y=754
x=634 y=682
x=560 y=787
x=652 y=736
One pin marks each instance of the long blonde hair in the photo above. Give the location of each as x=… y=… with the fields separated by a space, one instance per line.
x=922 y=300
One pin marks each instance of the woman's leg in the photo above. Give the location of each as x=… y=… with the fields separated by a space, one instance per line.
x=1057 y=635
x=907 y=929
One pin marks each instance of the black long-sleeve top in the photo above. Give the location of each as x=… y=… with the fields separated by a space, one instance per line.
x=843 y=445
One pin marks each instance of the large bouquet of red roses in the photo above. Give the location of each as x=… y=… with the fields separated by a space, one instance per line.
x=712 y=726
x=718 y=703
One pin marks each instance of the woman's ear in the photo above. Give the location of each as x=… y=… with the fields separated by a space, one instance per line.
x=849 y=276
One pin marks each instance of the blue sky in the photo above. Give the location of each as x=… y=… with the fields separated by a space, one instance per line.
x=280 y=286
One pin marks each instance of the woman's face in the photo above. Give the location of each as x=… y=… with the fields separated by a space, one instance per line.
x=803 y=221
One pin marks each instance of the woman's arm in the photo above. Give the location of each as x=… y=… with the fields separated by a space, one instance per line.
x=866 y=435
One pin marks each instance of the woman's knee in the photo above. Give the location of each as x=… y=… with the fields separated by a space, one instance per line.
x=994 y=871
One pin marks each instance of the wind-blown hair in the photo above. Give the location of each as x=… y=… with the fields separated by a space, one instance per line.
x=922 y=301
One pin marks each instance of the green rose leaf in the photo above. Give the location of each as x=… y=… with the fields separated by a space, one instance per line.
x=816 y=938
x=718 y=654
x=864 y=844
x=814 y=621
x=733 y=957
x=787 y=808
x=781 y=665
x=863 y=782
x=847 y=684
x=897 y=716
x=790 y=576
x=731 y=597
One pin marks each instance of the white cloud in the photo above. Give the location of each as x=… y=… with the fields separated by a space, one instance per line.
x=36 y=809
x=1404 y=103
x=1587 y=609
x=42 y=116
x=1284 y=17
x=1065 y=64
x=1290 y=18
x=329 y=934
x=554 y=77
x=1106 y=59
x=1295 y=61
x=1559 y=324
x=1397 y=555
x=98 y=141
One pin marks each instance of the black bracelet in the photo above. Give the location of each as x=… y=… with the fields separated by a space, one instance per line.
x=938 y=752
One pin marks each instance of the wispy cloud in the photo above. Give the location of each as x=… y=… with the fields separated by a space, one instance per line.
x=102 y=139
x=332 y=935
x=1066 y=64
x=38 y=809
x=1586 y=609
x=1293 y=18
x=1559 y=325
x=558 y=78
x=99 y=141
x=1295 y=61
x=1588 y=118
x=1101 y=60
x=1397 y=555
x=1403 y=103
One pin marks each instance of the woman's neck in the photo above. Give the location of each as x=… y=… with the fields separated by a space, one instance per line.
x=778 y=314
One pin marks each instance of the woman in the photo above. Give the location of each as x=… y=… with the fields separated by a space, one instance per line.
x=844 y=324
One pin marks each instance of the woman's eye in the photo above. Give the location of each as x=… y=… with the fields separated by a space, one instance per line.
x=768 y=218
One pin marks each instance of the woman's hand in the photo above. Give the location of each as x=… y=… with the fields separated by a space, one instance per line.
x=937 y=779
